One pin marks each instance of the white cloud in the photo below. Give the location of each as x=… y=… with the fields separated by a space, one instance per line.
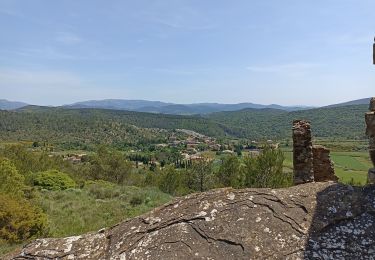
x=43 y=53
x=177 y=15
x=10 y=12
x=12 y=79
x=282 y=68
x=68 y=38
x=52 y=87
x=297 y=69
x=180 y=72
x=178 y=22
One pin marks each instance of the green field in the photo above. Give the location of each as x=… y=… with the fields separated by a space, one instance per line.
x=349 y=166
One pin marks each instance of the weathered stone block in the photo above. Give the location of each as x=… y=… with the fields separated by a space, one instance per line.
x=372 y=142
x=370 y=130
x=302 y=152
x=372 y=156
x=372 y=104
x=370 y=122
x=322 y=164
x=371 y=176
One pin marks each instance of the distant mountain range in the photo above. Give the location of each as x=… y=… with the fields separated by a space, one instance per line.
x=10 y=105
x=171 y=108
x=176 y=109
x=363 y=101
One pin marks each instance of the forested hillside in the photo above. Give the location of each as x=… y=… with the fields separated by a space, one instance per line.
x=78 y=128
x=331 y=122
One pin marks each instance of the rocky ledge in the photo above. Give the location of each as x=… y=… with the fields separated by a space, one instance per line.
x=308 y=221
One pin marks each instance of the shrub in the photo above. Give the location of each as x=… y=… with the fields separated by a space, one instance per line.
x=102 y=189
x=19 y=220
x=136 y=200
x=230 y=174
x=11 y=182
x=172 y=181
x=53 y=180
x=266 y=170
x=200 y=177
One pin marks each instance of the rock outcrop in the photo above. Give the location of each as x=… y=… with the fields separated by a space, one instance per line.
x=302 y=152
x=310 y=221
x=370 y=132
x=323 y=166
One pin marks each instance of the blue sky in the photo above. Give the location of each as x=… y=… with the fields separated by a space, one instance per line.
x=290 y=52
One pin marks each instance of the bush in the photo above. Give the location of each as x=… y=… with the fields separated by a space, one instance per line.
x=230 y=174
x=200 y=177
x=136 y=200
x=102 y=189
x=53 y=180
x=11 y=182
x=19 y=220
x=172 y=181
x=266 y=170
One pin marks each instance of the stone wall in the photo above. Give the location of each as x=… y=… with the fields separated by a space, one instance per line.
x=302 y=152
x=311 y=163
x=370 y=132
x=322 y=164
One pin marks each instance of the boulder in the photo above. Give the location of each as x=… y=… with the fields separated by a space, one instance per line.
x=324 y=220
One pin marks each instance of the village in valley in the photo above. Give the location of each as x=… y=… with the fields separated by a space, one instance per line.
x=182 y=148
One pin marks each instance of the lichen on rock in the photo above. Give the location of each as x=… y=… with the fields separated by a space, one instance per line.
x=322 y=220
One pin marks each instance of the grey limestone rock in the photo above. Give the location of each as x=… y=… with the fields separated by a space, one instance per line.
x=322 y=220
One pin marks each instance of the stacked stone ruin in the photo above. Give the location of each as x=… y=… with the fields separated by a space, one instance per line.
x=310 y=162
x=370 y=132
x=302 y=152
x=322 y=164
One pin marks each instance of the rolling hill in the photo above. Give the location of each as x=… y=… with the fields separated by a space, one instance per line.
x=170 y=108
x=82 y=128
x=331 y=122
x=362 y=101
x=9 y=105
x=72 y=128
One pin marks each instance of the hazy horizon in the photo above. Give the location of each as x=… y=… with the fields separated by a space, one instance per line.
x=289 y=53
x=193 y=103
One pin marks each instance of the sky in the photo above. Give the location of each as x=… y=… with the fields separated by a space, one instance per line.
x=290 y=52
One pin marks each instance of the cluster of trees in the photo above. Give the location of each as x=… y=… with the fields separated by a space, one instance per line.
x=264 y=170
x=24 y=173
x=19 y=219
x=164 y=155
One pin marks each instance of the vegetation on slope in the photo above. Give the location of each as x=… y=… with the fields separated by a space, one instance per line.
x=63 y=198
x=85 y=128
x=333 y=122
x=82 y=128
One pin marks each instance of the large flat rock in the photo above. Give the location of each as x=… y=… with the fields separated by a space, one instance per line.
x=309 y=221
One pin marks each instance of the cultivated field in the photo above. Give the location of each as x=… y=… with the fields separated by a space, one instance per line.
x=350 y=167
